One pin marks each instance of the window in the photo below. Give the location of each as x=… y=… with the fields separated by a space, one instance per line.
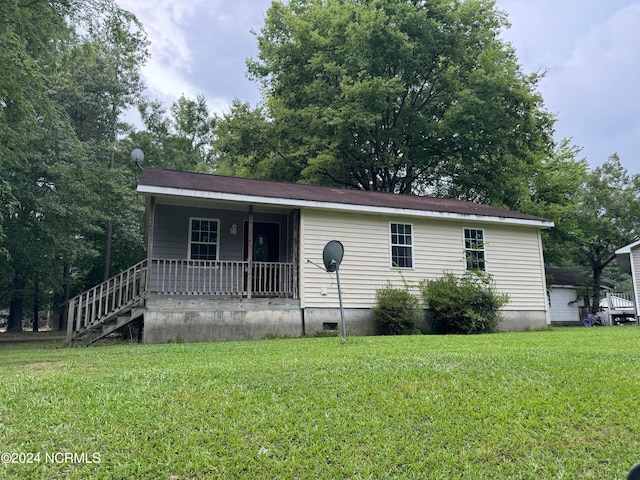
x=474 y=253
x=203 y=239
x=401 y=245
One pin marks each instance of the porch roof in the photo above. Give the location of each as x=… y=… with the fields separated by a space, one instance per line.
x=154 y=181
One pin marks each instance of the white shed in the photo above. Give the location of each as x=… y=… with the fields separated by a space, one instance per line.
x=566 y=291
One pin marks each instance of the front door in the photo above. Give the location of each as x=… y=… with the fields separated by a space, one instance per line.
x=266 y=241
x=265 y=276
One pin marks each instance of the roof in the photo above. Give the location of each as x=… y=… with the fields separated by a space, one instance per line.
x=154 y=181
x=627 y=248
x=563 y=277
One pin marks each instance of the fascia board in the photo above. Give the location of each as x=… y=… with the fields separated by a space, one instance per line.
x=256 y=199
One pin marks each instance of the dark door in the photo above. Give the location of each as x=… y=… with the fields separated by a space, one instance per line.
x=266 y=241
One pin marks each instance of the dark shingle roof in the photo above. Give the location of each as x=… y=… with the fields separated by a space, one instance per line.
x=566 y=277
x=154 y=177
x=571 y=278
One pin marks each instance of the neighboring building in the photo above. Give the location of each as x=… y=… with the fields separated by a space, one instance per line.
x=238 y=258
x=566 y=292
x=629 y=262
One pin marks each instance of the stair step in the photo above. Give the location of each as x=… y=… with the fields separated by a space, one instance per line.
x=100 y=329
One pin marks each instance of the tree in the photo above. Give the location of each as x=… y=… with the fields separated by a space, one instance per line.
x=554 y=192
x=56 y=115
x=396 y=95
x=180 y=140
x=607 y=218
x=247 y=144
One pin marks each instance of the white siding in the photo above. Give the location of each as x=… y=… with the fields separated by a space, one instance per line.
x=513 y=257
x=564 y=304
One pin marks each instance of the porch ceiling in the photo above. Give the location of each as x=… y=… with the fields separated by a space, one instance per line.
x=218 y=204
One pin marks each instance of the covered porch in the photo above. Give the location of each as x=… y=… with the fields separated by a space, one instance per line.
x=214 y=269
x=221 y=249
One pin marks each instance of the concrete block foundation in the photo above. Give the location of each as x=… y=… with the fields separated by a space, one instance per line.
x=191 y=319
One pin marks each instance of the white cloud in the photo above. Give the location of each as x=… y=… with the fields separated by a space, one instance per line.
x=595 y=90
x=165 y=21
x=589 y=50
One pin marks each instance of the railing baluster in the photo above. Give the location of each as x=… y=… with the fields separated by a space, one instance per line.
x=218 y=277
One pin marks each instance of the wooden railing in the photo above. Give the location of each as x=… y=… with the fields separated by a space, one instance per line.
x=221 y=277
x=107 y=299
x=269 y=278
x=178 y=277
x=621 y=301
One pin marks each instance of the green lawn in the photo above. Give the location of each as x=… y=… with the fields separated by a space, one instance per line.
x=563 y=403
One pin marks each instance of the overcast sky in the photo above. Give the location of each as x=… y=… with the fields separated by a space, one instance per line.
x=589 y=49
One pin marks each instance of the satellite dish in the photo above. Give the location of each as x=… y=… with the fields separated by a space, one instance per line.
x=332 y=255
x=137 y=157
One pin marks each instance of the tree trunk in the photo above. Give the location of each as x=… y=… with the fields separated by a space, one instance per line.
x=36 y=305
x=16 y=305
x=595 y=295
x=66 y=274
x=107 y=252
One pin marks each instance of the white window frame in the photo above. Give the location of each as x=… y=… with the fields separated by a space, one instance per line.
x=216 y=243
x=465 y=249
x=402 y=245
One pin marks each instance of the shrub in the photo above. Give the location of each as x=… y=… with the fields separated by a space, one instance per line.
x=467 y=304
x=397 y=311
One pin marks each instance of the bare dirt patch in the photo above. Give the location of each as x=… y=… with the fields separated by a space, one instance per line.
x=27 y=336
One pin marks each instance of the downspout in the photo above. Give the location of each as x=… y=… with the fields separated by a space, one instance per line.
x=296 y=262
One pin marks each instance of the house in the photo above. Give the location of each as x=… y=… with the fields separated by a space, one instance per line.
x=239 y=258
x=566 y=292
x=628 y=258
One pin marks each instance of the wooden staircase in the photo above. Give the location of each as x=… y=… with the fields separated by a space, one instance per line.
x=105 y=308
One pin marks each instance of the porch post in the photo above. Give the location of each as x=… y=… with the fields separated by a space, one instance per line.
x=250 y=253
x=151 y=214
x=296 y=227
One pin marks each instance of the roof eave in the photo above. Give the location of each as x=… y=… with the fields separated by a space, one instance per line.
x=298 y=203
x=627 y=248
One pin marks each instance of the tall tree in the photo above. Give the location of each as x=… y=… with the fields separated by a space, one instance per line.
x=247 y=144
x=607 y=218
x=555 y=185
x=52 y=123
x=180 y=139
x=400 y=96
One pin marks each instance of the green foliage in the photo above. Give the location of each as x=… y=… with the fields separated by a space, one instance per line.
x=466 y=304
x=554 y=193
x=397 y=311
x=607 y=218
x=68 y=69
x=178 y=140
x=396 y=96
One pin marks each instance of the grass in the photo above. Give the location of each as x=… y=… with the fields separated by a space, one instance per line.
x=555 y=404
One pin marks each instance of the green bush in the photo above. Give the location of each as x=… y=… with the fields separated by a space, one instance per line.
x=467 y=304
x=397 y=311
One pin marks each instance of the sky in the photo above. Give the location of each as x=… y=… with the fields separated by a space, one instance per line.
x=589 y=51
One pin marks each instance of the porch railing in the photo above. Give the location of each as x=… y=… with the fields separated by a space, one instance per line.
x=624 y=301
x=221 y=277
x=106 y=299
